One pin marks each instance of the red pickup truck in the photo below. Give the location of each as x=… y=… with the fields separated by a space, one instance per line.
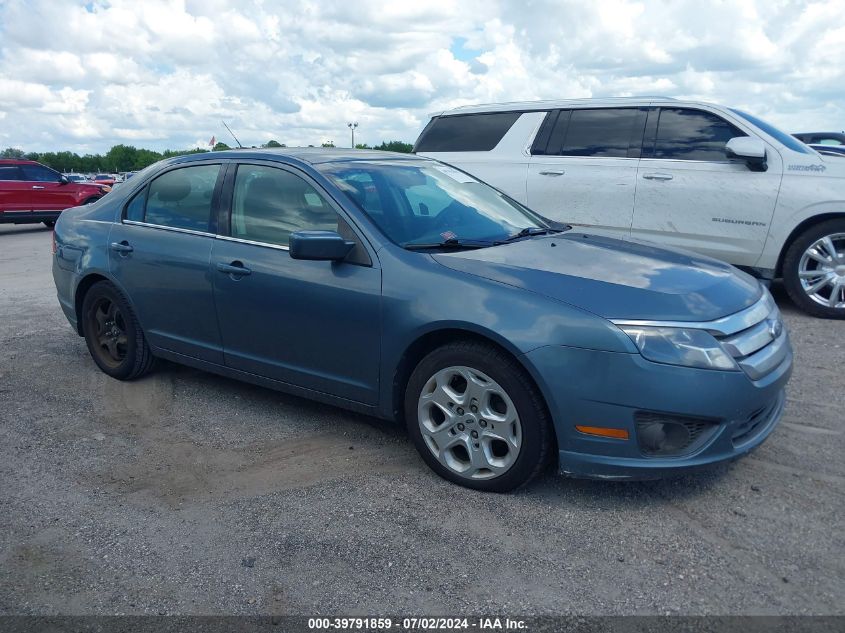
x=31 y=192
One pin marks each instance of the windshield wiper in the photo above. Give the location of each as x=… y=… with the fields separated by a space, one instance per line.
x=532 y=230
x=452 y=242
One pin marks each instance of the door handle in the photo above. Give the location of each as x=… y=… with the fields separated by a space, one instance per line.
x=552 y=173
x=121 y=247
x=658 y=176
x=37 y=187
x=236 y=269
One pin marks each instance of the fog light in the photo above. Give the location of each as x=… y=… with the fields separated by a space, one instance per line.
x=662 y=435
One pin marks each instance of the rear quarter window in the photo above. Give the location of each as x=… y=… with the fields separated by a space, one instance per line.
x=466 y=132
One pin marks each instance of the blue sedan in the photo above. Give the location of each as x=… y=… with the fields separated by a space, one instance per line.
x=406 y=289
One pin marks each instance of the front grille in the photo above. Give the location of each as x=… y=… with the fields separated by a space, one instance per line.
x=756 y=339
x=661 y=435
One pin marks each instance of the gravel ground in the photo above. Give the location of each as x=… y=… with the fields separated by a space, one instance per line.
x=187 y=493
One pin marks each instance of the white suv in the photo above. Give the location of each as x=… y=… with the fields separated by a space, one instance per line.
x=681 y=173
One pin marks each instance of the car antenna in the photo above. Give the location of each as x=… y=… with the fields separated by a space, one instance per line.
x=233 y=135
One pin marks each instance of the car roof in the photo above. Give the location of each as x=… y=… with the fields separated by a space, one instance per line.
x=310 y=155
x=527 y=106
x=17 y=161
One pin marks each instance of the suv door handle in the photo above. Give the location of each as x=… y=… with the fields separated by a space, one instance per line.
x=37 y=187
x=236 y=269
x=121 y=247
x=552 y=173
x=658 y=176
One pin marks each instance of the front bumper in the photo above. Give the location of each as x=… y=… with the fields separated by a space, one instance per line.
x=608 y=389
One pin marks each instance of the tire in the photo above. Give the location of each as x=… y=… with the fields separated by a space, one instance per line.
x=49 y=223
x=91 y=200
x=502 y=458
x=799 y=270
x=113 y=335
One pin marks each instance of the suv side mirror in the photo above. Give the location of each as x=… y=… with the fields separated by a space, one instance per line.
x=751 y=150
x=63 y=180
x=319 y=245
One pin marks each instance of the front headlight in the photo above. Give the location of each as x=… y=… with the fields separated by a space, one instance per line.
x=680 y=346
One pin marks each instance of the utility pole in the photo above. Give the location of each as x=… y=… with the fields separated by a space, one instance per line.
x=352 y=127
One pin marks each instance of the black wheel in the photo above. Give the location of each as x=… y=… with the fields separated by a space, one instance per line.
x=476 y=417
x=113 y=334
x=91 y=200
x=49 y=223
x=814 y=270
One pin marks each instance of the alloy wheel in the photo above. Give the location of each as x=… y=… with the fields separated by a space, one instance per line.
x=109 y=331
x=469 y=423
x=821 y=271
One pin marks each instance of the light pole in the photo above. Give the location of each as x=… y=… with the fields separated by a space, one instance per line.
x=352 y=127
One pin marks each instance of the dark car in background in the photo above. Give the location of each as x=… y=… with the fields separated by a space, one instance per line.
x=31 y=192
x=821 y=138
x=403 y=288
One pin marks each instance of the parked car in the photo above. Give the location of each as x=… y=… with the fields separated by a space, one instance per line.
x=402 y=288
x=105 y=179
x=76 y=177
x=31 y=192
x=679 y=173
x=821 y=138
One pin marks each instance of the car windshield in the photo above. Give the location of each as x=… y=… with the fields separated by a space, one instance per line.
x=787 y=139
x=425 y=202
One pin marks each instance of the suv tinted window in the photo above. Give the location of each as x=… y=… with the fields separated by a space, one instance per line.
x=606 y=132
x=182 y=198
x=39 y=173
x=692 y=135
x=10 y=172
x=609 y=132
x=465 y=132
x=269 y=204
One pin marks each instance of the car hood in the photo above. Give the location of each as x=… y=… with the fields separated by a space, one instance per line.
x=614 y=278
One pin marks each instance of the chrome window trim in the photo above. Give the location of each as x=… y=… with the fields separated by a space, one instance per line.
x=252 y=242
x=175 y=229
x=725 y=326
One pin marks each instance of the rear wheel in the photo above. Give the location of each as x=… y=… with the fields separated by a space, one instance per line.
x=476 y=418
x=814 y=270
x=113 y=335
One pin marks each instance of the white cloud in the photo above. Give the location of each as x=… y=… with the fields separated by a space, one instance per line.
x=164 y=73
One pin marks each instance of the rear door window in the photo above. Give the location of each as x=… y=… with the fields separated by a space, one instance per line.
x=466 y=132
x=602 y=132
x=686 y=134
x=181 y=198
x=10 y=172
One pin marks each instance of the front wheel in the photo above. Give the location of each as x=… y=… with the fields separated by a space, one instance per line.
x=814 y=270
x=476 y=418
x=113 y=334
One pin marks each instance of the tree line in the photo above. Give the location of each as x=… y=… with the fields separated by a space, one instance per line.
x=121 y=158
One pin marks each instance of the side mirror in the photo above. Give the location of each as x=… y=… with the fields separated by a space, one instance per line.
x=63 y=180
x=751 y=150
x=319 y=245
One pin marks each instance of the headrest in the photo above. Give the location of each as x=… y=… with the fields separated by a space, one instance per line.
x=173 y=189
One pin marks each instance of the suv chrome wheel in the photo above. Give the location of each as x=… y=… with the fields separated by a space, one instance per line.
x=469 y=423
x=821 y=271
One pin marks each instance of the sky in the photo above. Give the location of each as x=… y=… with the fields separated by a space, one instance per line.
x=84 y=76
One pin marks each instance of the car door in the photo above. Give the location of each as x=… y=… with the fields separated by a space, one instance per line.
x=690 y=195
x=48 y=191
x=15 y=192
x=314 y=324
x=159 y=253
x=583 y=168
